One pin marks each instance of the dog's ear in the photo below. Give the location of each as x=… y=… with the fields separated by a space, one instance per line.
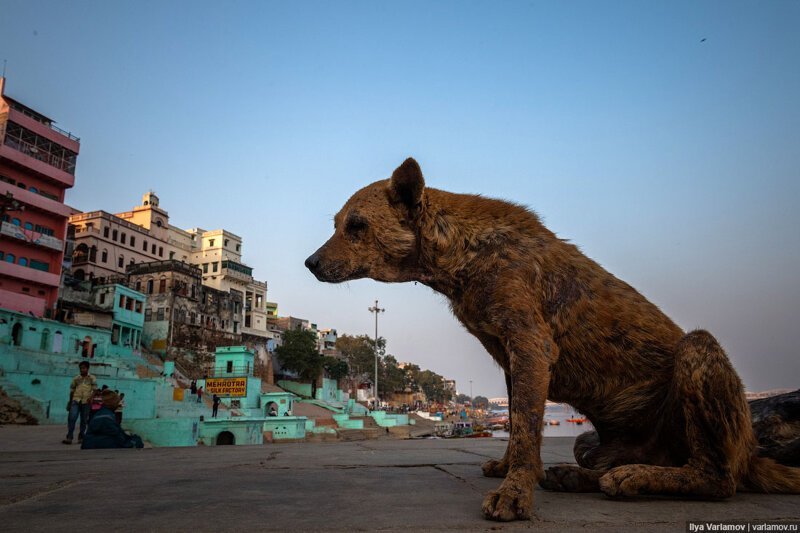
x=407 y=184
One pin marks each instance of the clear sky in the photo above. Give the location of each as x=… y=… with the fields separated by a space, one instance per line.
x=662 y=138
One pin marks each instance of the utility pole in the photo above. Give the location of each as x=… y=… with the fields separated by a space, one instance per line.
x=377 y=310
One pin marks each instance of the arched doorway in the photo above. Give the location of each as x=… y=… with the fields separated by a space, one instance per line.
x=225 y=438
x=272 y=409
x=16 y=334
x=57 y=340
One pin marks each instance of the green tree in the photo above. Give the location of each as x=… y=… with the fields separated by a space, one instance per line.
x=335 y=368
x=299 y=354
x=462 y=399
x=359 y=352
x=432 y=384
x=480 y=402
x=391 y=377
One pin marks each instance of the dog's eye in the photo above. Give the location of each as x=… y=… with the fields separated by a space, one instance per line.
x=355 y=226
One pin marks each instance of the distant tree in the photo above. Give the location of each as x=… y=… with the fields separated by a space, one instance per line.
x=391 y=377
x=298 y=353
x=480 y=402
x=462 y=398
x=335 y=368
x=432 y=384
x=359 y=352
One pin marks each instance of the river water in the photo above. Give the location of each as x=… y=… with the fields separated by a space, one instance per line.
x=560 y=412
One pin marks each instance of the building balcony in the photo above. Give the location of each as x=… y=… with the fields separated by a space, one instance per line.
x=34 y=200
x=30 y=236
x=29 y=274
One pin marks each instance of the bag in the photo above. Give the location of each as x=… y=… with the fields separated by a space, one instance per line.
x=134 y=441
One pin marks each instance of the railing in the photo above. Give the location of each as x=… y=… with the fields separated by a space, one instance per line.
x=227 y=372
x=39 y=154
x=31 y=114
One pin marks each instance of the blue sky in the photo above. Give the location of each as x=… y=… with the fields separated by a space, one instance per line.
x=672 y=161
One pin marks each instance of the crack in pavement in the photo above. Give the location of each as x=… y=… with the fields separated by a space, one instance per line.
x=10 y=500
x=459 y=478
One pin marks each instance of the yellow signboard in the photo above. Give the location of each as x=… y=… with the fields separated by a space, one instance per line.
x=234 y=387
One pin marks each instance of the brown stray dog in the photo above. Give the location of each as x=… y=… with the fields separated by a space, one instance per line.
x=668 y=407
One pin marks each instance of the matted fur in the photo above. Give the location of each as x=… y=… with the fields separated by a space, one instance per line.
x=668 y=408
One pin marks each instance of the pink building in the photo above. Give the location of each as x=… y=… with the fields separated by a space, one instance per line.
x=37 y=165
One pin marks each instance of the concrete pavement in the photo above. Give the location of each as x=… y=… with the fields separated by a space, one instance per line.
x=392 y=485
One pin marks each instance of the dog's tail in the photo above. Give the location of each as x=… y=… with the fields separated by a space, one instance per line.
x=766 y=475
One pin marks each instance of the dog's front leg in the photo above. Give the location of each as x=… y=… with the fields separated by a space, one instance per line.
x=530 y=358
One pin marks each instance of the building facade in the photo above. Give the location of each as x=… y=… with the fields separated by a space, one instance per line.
x=181 y=313
x=107 y=245
x=37 y=166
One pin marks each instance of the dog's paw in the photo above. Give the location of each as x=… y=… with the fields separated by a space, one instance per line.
x=566 y=478
x=512 y=501
x=623 y=481
x=493 y=468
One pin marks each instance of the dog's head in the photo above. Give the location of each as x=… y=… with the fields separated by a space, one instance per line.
x=375 y=233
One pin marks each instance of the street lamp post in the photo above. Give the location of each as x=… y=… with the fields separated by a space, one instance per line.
x=376 y=310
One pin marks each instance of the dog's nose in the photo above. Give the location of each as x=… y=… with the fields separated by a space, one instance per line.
x=312 y=262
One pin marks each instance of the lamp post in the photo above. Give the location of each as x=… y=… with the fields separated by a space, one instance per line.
x=376 y=310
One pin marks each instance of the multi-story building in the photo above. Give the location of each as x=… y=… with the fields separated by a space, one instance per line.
x=37 y=166
x=181 y=312
x=106 y=245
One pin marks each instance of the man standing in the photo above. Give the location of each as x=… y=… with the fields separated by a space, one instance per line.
x=215 y=406
x=80 y=395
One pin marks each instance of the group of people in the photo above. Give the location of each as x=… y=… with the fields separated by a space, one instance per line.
x=198 y=391
x=100 y=414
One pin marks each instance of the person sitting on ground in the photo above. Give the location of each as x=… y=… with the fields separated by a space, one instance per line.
x=96 y=403
x=104 y=431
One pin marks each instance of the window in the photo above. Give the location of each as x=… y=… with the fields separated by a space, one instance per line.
x=121 y=261
x=114 y=235
x=138 y=308
x=22 y=185
x=172 y=255
x=10 y=258
x=133 y=241
x=229 y=367
x=123 y=237
x=139 y=286
x=153 y=249
x=2 y=256
x=205 y=268
x=215 y=266
x=105 y=232
x=132 y=261
x=162 y=285
x=160 y=251
x=238 y=247
x=144 y=245
x=102 y=298
x=34 y=190
x=149 y=286
x=211 y=242
x=122 y=301
x=22 y=262
x=148 y=315
x=104 y=256
x=115 y=334
x=44 y=230
x=8 y=180
x=29 y=226
x=226 y=242
x=16 y=221
x=160 y=314
x=40 y=265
